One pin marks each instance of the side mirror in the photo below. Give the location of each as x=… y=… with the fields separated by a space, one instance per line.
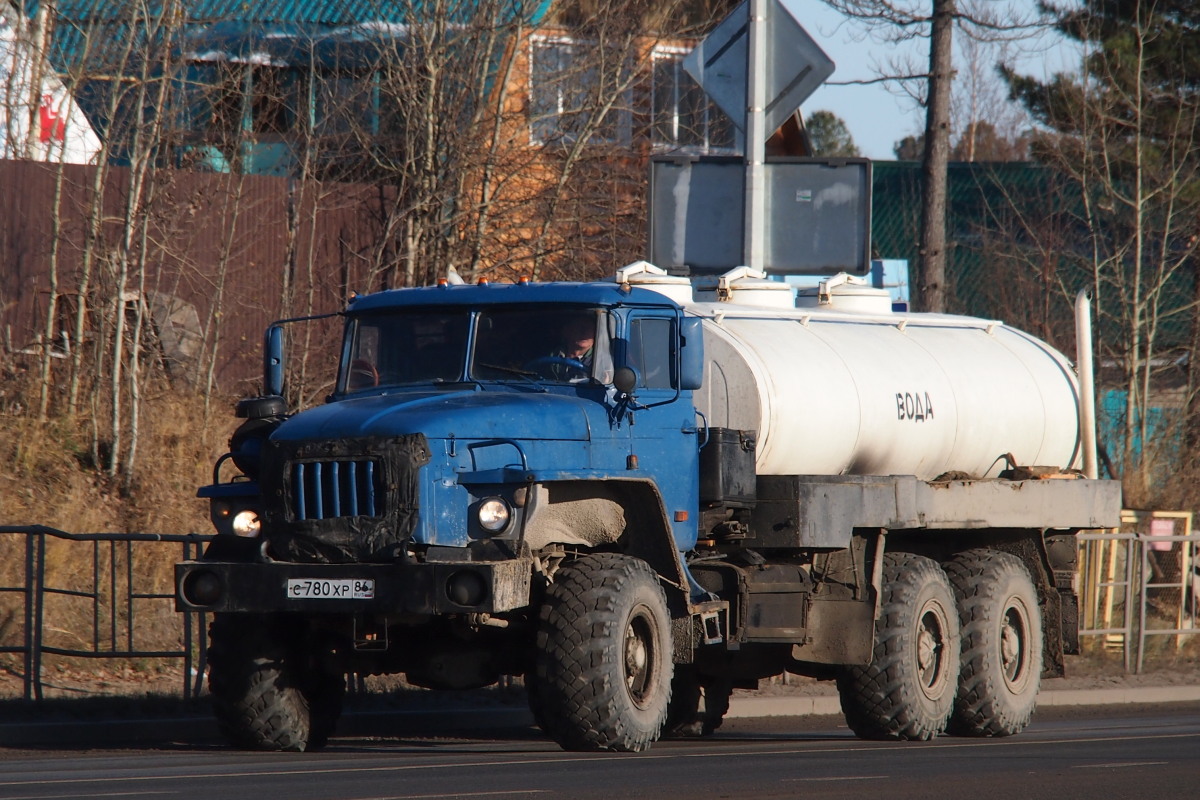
x=273 y=361
x=691 y=353
x=625 y=379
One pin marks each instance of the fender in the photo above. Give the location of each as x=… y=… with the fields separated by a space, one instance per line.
x=628 y=515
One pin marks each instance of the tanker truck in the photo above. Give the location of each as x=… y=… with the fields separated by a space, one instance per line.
x=706 y=486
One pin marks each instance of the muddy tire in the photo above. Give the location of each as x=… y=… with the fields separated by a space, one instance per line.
x=263 y=698
x=602 y=679
x=1001 y=665
x=907 y=692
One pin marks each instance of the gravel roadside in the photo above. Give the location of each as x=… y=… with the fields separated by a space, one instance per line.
x=83 y=708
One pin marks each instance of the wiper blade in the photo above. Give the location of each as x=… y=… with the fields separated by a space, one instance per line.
x=524 y=373
x=526 y=376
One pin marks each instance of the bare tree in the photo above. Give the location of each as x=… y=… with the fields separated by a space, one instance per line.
x=985 y=125
x=903 y=20
x=982 y=141
x=505 y=145
x=1126 y=135
x=34 y=127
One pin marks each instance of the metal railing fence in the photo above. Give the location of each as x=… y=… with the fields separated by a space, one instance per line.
x=1106 y=588
x=1140 y=581
x=114 y=596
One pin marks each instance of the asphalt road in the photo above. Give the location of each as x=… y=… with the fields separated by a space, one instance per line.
x=1093 y=753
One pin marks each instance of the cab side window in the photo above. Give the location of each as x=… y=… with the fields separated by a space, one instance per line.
x=651 y=352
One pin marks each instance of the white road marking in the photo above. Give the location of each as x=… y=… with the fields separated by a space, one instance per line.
x=457 y=794
x=1121 y=765
x=65 y=796
x=843 y=778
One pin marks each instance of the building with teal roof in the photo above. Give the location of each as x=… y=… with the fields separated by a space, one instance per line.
x=247 y=86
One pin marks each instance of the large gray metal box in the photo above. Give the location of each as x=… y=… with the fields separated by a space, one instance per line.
x=818 y=215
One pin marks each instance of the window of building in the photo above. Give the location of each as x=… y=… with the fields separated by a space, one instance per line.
x=222 y=85
x=567 y=91
x=277 y=98
x=684 y=117
x=345 y=105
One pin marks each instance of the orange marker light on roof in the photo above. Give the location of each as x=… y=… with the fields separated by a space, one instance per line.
x=523 y=280
x=483 y=282
x=443 y=282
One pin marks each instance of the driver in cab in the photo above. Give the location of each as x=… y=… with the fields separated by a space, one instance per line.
x=571 y=361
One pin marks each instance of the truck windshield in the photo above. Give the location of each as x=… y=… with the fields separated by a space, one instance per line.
x=554 y=345
x=418 y=346
x=518 y=345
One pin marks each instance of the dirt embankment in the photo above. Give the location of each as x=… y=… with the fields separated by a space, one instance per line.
x=56 y=475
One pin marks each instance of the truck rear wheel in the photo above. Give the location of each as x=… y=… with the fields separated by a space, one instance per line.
x=1001 y=644
x=263 y=698
x=907 y=692
x=603 y=673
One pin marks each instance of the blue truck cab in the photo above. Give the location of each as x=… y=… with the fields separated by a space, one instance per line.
x=470 y=465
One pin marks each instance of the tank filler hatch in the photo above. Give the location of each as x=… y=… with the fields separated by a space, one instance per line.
x=648 y=276
x=846 y=293
x=745 y=287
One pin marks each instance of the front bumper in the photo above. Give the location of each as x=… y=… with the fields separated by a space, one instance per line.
x=427 y=588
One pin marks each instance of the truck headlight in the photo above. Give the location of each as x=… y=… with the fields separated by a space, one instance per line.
x=494 y=514
x=246 y=523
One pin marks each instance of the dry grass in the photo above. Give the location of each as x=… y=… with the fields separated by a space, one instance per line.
x=51 y=479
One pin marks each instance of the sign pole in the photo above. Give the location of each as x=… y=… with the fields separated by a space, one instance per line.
x=756 y=135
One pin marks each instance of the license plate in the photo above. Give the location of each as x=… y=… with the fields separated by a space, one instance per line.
x=315 y=589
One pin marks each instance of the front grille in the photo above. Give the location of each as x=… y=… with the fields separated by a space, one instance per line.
x=341 y=500
x=342 y=488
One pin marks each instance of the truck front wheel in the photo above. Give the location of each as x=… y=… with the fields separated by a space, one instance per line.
x=263 y=696
x=1001 y=644
x=603 y=664
x=907 y=692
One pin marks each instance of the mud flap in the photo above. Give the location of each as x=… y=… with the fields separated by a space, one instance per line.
x=847 y=632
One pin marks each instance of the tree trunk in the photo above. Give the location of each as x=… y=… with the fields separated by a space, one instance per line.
x=931 y=268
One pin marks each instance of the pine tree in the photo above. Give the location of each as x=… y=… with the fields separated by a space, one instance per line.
x=1164 y=60
x=830 y=136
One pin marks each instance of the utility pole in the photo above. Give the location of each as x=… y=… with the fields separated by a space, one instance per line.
x=756 y=136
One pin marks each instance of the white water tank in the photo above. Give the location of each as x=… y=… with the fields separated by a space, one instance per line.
x=832 y=392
